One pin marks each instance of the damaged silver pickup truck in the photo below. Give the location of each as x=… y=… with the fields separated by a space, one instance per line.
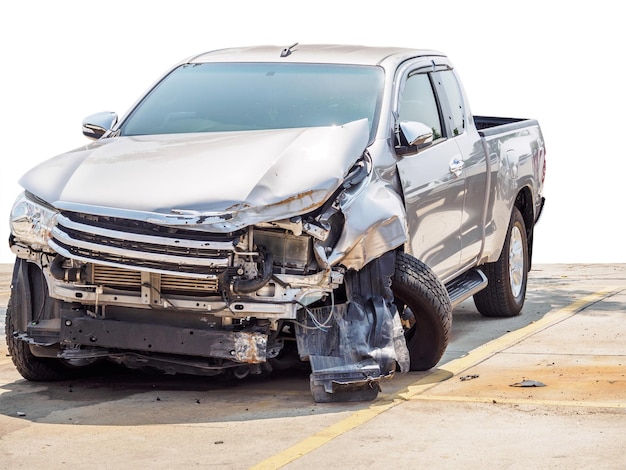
x=264 y=208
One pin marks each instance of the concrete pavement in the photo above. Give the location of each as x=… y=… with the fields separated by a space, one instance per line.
x=469 y=412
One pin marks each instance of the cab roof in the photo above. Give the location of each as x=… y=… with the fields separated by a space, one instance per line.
x=314 y=53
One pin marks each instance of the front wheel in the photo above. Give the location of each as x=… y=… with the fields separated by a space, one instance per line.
x=29 y=299
x=504 y=295
x=31 y=367
x=424 y=308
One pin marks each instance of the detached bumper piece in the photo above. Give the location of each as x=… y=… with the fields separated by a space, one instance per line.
x=335 y=380
x=353 y=348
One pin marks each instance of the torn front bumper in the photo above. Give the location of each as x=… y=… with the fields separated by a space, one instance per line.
x=242 y=347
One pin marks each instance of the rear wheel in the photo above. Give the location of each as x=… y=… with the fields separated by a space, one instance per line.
x=508 y=277
x=424 y=307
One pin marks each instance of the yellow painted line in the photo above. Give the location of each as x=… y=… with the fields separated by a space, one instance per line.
x=487 y=350
x=417 y=388
x=525 y=401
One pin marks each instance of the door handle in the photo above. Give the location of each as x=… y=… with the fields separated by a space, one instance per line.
x=456 y=166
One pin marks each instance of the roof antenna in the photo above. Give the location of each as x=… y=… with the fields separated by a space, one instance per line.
x=287 y=50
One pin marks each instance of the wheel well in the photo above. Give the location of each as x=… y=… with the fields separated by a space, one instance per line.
x=524 y=203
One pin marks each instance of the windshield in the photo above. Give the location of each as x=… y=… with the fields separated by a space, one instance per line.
x=218 y=97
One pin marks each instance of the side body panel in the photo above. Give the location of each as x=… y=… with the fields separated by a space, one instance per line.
x=516 y=156
x=477 y=183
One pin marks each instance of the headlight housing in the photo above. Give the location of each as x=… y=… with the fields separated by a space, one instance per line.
x=31 y=222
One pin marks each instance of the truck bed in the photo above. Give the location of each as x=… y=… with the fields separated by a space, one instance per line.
x=486 y=124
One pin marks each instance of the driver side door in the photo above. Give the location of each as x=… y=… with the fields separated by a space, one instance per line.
x=432 y=179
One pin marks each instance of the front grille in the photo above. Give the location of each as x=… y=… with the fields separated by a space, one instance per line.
x=142 y=245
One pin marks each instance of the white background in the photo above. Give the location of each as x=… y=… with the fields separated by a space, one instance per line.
x=559 y=62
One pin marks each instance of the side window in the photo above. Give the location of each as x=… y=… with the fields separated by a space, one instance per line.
x=418 y=103
x=455 y=99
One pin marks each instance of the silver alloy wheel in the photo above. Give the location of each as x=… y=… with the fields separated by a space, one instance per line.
x=516 y=261
x=501 y=298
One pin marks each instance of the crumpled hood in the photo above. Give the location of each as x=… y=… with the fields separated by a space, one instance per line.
x=239 y=177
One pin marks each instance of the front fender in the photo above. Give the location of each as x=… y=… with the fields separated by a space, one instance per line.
x=375 y=223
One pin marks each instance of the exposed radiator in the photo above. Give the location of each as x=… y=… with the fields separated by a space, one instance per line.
x=109 y=276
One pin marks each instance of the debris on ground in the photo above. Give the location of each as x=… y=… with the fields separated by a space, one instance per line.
x=528 y=383
x=468 y=377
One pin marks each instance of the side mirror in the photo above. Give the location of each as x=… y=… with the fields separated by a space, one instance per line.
x=96 y=125
x=417 y=136
x=416 y=133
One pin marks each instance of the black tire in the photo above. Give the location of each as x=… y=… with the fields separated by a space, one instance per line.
x=508 y=277
x=424 y=306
